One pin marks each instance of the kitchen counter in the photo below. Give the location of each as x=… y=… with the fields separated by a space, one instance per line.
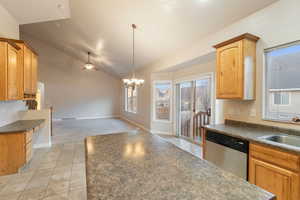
x=253 y=132
x=21 y=126
x=131 y=166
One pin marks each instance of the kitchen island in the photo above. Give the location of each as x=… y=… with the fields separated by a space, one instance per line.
x=135 y=166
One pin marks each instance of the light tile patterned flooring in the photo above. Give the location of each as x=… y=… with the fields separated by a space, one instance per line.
x=58 y=173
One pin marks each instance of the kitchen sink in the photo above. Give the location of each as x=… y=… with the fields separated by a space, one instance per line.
x=284 y=139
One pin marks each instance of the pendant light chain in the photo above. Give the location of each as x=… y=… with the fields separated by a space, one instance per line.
x=133 y=49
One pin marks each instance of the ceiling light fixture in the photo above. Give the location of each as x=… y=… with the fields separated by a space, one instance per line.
x=133 y=82
x=89 y=65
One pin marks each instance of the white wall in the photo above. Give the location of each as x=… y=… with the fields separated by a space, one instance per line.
x=9 y=29
x=72 y=92
x=275 y=24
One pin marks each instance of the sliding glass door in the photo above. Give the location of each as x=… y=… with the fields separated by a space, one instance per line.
x=186 y=101
x=193 y=106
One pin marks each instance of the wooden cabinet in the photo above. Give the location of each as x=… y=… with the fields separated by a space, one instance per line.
x=275 y=171
x=27 y=70
x=12 y=152
x=18 y=70
x=10 y=72
x=28 y=145
x=15 y=150
x=236 y=63
x=34 y=65
x=30 y=64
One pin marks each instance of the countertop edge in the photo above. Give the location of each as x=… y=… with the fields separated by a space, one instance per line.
x=10 y=130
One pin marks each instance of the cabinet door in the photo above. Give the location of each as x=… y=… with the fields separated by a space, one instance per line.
x=34 y=65
x=12 y=74
x=281 y=182
x=21 y=71
x=3 y=71
x=27 y=71
x=230 y=71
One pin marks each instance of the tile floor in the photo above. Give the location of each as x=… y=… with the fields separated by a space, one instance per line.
x=58 y=173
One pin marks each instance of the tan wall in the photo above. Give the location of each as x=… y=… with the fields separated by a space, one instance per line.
x=72 y=92
x=276 y=24
x=9 y=25
x=143 y=115
x=9 y=28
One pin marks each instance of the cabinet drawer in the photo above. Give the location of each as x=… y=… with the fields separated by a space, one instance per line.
x=29 y=136
x=274 y=156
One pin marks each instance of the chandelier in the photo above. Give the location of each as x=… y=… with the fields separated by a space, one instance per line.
x=133 y=82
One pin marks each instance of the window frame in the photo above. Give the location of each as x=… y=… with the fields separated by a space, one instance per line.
x=154 y=100
x=126 y=101
x=265 y=90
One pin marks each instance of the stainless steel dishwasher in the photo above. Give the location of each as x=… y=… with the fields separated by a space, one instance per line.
x=228 y=153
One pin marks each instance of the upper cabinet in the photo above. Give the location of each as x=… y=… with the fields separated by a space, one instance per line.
x=30 y=71
x=236 y=68
x=10 y=72
x=34 y=66
x=18 y=70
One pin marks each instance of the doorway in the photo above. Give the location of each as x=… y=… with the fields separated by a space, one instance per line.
x=193 y=107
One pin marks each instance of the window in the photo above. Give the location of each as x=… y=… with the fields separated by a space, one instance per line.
x=162 y=101
x=131 y=100
x=282 y=82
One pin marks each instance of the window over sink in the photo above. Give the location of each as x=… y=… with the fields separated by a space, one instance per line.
x=282 y=83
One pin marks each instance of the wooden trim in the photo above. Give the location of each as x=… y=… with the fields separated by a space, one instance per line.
x=238 y=38
x=19 y=41
x=12 y=43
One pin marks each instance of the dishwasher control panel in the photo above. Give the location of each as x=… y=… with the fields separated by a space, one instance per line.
x=228 y=141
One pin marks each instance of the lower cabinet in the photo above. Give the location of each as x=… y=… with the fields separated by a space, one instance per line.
x=275 y=171
x=15 y=151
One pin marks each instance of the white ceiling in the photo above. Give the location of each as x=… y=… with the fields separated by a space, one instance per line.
x=164 y=26
x=32 y=11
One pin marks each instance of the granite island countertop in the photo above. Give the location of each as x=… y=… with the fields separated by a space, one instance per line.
x=21 y=126
x=129 y=166
x=254 y=132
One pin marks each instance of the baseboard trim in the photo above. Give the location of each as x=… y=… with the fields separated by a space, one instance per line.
x=83 y=118
x=135 y=124
x=161 y=132
x=43 y=145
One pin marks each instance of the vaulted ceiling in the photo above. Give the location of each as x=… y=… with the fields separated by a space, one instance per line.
x=164 y=26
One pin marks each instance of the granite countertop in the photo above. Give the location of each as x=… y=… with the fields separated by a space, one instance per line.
x=253 y=132
x=131 y=166
x=21 y=126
